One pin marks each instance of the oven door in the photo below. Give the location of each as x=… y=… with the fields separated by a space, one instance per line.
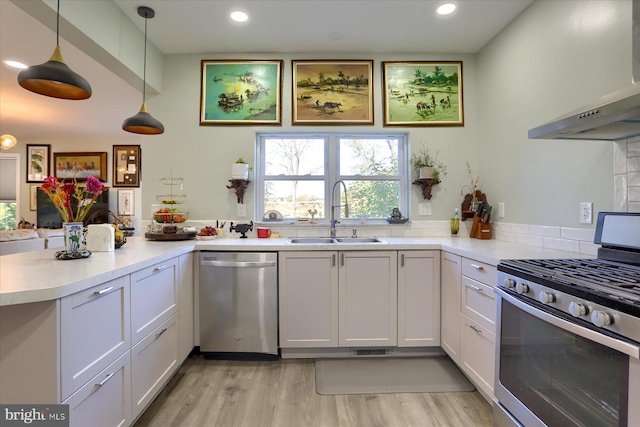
x=551 y=371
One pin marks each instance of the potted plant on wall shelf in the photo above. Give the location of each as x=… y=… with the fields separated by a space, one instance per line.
x=427 y=165
x=240 y=169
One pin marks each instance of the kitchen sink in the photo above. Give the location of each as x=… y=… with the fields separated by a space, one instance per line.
x=331 y=240
x=358 y=240
x=313 y=240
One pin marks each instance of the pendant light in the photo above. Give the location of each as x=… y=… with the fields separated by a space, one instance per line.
x=54 y=78
x=7 y=141
x=143 y=123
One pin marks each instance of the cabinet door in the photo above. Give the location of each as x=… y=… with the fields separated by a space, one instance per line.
x=94 y=330
x=153 y=361
x=105 y=401
x=450 y=307
x=477 y=355
x=368 y=299
x=419 y=298
x=154 y=296
x=186 y=306
x=308 y=299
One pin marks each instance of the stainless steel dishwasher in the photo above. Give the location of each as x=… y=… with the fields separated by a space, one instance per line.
x=239 y=305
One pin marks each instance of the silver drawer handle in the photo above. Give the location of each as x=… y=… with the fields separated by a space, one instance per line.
x=475 y=288
x=477 y=267
x=162 y=267
x=104 y=381
x=104 y=291
x=161 y=332
x=475 y=329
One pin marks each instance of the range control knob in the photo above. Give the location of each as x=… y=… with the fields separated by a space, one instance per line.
x=522 y=288
x=576 y=309
x=546 y=297
x=601 y=318
x=509 y=283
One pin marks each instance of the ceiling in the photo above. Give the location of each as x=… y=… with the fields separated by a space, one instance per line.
x=198 y=26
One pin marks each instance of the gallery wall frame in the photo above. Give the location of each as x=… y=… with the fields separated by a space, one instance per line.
x=427 y=93
x=80 y=165
x=38 y=161
x=241 y=92
x=127 y=164
x=33 y=197
x=332 y=92
x=125 y=202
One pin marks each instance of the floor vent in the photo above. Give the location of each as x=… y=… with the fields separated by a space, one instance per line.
x=370 y=352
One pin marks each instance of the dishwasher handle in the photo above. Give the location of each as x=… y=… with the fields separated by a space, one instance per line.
x=238 y=264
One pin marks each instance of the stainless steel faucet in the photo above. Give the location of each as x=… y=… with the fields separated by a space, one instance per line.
x=346 y=206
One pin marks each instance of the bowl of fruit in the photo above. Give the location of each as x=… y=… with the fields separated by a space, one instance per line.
x=207 y=233
x=170 y=215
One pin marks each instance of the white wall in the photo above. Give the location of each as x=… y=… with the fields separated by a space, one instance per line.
x=555 y=57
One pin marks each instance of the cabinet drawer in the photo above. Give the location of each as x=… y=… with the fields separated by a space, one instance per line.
x=479 y=303
x=153 y=361
x=105 y=400
x=94 y=327
x=480 y=271
x=477 y=355
x=154 y=297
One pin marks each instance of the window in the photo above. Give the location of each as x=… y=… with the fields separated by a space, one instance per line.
x=296 y=173
x=9 y=190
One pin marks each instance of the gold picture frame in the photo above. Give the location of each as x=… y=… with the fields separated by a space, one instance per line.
x=332 y=92
x=79 y=166
x=422 y=93
x=127 y=162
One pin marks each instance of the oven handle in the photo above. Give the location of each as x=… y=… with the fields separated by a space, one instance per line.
x=625 y=347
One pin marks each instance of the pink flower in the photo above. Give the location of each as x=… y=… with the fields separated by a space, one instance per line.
x=94 y=186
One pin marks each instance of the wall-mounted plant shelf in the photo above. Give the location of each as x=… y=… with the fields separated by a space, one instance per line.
x=467 y=212
x=240 y=186
x=427 y=184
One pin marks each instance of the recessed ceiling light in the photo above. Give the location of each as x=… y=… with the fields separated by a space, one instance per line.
x=446 y=9
x=15 y=64
x=239 y=16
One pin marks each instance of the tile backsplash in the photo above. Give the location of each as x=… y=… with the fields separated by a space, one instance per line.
x=626 y=179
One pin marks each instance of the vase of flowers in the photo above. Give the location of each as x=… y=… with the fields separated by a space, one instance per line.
x=61 y=194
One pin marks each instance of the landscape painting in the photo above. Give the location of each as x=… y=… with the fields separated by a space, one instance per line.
x=241 y=92
x=423 y=93
x=332 y=92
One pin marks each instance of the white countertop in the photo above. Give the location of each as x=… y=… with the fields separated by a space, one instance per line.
x=37 y=276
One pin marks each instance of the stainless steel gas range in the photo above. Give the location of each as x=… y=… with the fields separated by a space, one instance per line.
x=568 y=338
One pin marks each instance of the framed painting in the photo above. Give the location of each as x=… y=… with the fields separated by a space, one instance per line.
x=125 y=202
x=235 y=92
x=126 y=165
x=79 y=166
x=33 y=197
x=332 y=92
x=422 y=93
x=38 y=161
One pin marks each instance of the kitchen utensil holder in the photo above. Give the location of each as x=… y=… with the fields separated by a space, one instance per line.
x=480 y=230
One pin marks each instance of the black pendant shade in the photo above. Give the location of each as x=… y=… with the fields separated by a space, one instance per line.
x=54 y=78
x=143 y=123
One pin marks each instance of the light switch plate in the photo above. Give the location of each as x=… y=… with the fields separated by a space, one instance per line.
x=242 y=210
x=501 y=210
x=424 y=209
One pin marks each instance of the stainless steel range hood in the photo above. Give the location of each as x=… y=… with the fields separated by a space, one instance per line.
x=612 y=117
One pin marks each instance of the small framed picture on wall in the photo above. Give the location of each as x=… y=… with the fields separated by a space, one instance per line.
x=125 y=202
x=38 y=160
x=126 y=165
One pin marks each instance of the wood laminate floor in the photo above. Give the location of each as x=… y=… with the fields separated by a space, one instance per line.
x=210 y=393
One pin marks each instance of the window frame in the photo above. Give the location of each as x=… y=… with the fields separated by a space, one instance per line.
x=332 y=167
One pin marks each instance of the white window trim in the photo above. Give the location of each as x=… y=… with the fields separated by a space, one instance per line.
x=404 y=171
x=15 y=156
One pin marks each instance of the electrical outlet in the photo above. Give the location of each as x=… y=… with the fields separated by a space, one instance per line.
x=501 y=210
x=424 y=209
x=586 y=213
x=242 y=210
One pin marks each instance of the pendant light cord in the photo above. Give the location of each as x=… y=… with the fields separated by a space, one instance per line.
x=58 y=25
x=144 y=68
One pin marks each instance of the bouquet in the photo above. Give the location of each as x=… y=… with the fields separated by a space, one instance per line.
x=61 y=194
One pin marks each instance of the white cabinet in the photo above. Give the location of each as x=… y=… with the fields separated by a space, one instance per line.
x=367 y=298
x=186 y=268
x=153 y=361
x=105 y=400
x=418 y=298
x=478 y=316
x=94 y=332
x=154 y=297
x=308 y=299
x=451 y=269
